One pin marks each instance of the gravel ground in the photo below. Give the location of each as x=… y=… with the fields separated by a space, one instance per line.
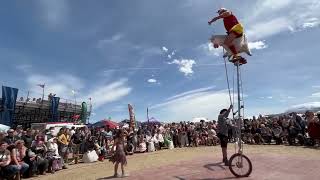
x=144 y=166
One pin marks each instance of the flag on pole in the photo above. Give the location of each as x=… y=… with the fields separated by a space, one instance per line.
x=41 y=85
x=131 y=115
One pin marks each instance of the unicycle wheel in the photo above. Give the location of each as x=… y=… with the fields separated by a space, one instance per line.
x=240 y=165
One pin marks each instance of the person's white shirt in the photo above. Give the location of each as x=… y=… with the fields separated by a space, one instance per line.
x=72 y=132
x=155 y=138
x=149 y=138
x=53 y=146
x=160 y=138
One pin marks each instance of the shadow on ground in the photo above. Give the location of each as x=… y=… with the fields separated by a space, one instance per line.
x=212 y=166
x=109 y=177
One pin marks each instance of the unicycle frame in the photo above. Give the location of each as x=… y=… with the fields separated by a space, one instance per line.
x=239 y=152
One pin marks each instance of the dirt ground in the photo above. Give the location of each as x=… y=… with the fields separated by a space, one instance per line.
x=203 y=163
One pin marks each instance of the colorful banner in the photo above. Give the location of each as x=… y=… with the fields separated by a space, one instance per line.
x=9 y=97
x=131 y=115
x=54 y=108
x=84 y=112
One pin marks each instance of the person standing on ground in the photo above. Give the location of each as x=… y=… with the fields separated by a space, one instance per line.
x=223 y=132
x=119 y=156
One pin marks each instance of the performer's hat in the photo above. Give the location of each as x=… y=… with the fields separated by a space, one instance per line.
x=221 y=10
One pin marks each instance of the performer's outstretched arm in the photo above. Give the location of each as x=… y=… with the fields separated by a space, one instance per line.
x=222 y=15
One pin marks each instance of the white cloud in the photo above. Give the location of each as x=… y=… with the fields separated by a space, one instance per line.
x=210 y=50
x=152 y=80
x=310 y=23
x=109 y=93
x=269 y=97
x=165 y=49
x=60 y=84
x=113 y=39
x=55 y=13
x=197 y=104
x=257 y=45
x=169 y=56
x=191 y=92
x=317 y=95
x=268 y=28
x=185 y=65
x=24 y=67
x=304 y=107
x=270 y=17
x=64 y=84
x=316 y=86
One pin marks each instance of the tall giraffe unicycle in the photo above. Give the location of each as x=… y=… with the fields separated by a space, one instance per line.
x=239 y=164
x=235 y=42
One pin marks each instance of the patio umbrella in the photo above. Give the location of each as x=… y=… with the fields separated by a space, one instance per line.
x=104 y=122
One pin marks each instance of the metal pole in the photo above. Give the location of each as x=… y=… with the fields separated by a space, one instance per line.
x=239 y=106
x=43 y=93
x=27 y=97
x=148 y=114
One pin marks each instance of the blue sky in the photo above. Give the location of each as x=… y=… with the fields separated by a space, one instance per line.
x=116 y=52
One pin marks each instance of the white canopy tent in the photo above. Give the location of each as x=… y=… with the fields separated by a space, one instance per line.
x=4 y=128
x=198 y=119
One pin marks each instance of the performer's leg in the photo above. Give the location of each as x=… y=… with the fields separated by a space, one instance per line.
x=228 y=41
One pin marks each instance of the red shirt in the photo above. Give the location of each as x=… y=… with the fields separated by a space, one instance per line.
x=229 y=22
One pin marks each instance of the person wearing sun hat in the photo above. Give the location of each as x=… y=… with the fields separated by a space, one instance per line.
x=234 y=30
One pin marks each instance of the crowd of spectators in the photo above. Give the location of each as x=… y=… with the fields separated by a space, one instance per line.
x=29 y=152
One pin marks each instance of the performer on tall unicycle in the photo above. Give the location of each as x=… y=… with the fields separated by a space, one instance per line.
x=234 y=30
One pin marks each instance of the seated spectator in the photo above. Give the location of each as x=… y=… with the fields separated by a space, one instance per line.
x=40 y=149
x=18 y=153
x=28 y=138
x=2 y=136
x=150 y=142
x=6 y=169
x=11 y=138
x=160 y=138
x=55 y=161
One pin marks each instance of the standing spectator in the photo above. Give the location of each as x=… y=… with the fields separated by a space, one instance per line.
x=63 y=143
x=72 y=131
x=76 y=140
x=277 y=131
x=223 y=132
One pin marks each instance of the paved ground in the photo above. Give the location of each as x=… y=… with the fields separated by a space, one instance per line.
x=269 y=163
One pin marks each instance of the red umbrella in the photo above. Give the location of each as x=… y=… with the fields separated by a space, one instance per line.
x=104 y=122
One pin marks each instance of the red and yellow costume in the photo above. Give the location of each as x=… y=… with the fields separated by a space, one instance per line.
x=232 y=25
